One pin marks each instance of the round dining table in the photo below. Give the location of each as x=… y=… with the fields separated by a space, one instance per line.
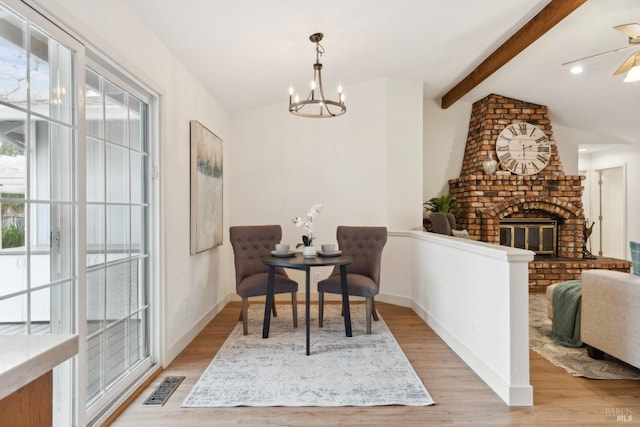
x=299 y=262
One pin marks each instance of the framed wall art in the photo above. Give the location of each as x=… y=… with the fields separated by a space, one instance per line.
x=206 y=188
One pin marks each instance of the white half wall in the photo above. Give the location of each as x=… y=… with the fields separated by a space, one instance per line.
x=475 y=296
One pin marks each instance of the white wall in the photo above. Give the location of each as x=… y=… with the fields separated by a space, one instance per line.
x=193 y=287
x=623 y=155
x=364 y=167
x=445 y=137
x=567 y=141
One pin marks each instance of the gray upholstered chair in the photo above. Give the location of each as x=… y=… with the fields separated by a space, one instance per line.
x=250 y=244
x=365 y=245
x=442 y=223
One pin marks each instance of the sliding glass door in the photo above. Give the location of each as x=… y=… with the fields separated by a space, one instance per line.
x=75 y=211
x=38 y=200
x=117 y=177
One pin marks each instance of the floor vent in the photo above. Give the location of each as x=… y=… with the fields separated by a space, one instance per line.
x=162 y=393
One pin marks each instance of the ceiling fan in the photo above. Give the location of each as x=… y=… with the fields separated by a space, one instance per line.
x=633 y=32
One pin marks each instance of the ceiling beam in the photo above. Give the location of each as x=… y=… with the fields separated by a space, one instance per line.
x=546 y=19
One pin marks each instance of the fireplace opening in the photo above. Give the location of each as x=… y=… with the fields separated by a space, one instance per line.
x=539 y=235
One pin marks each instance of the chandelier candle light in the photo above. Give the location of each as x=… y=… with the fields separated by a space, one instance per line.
x=307 y=239
x=325 y=107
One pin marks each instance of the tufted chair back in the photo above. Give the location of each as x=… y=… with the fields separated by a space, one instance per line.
x=442 y=223
x=250 y=244
x=365 y=245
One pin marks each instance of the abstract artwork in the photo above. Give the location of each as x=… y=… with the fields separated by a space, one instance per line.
x=206 y=188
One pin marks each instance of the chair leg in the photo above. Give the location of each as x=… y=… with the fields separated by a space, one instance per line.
x=369 y=306
x=320 y=308
x=273 y=304
x=294 y=308
x=374 y=312
x=243 y=315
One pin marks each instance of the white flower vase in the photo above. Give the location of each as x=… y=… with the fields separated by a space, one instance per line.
x=308 y=251
x=489 y=165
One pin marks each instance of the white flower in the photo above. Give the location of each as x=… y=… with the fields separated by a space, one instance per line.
x=307 y=238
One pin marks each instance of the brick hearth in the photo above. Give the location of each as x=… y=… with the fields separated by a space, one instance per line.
x=545 y=272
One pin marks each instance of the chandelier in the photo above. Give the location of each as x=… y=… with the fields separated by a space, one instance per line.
x=316 y=105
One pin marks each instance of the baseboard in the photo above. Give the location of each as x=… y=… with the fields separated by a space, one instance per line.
x=513 y=395
x=193 y=332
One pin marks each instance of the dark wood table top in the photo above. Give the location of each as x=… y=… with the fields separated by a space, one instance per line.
x=300 y=262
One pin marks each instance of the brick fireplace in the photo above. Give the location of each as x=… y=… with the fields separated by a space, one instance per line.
x=489 y=203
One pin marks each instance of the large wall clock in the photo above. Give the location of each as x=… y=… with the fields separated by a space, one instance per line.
x=523 y=148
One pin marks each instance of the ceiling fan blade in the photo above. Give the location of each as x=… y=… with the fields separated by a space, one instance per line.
x=598 y=55
x=630 y=30
x=628 y=64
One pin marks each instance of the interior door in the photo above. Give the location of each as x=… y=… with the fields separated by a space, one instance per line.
x=611 y=219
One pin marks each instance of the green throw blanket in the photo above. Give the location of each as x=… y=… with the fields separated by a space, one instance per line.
x=565 y=330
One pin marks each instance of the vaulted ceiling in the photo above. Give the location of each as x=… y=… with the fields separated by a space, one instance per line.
x=248 y=53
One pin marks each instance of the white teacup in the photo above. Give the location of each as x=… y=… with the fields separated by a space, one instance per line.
x=328 y=247
x=282 y=248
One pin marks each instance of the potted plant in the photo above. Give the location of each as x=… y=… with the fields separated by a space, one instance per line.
x=445 y=204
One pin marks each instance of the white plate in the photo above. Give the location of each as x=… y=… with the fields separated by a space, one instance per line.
x=334 y=253
x=283 y=254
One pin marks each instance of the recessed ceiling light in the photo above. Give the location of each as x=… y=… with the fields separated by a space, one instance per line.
x=577 y=69
x=582 y=150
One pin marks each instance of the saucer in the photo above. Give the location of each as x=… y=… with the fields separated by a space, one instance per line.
x=327 y=254
x=283 y=254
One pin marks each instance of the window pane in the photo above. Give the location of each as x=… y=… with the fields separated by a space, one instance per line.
x=95 y=361
x=96 y=294
x=117 y=174
x=137 y=231
x=63 y=165
x=135 y=284
x=116 y=114
x=96 y=248
x=137 y=124
x=137 y=177
x=118 y=282
x=12 y=211
x=94 y=106
x=13 y=264
x=60 y=64
x=116 y=362
x=13 y=59
x=13 y=315
x=95 y=170
x=117 y=232
x=39 y=72
x=137 y=337
x=13 y=162
x=41 y=311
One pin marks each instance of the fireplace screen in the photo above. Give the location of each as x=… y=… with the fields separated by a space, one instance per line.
x=535 y=234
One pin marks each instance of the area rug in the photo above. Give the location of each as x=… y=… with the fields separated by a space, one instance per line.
x=364 y=370
x=576 y=361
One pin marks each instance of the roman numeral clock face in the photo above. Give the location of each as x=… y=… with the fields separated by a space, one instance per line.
x=523 y=148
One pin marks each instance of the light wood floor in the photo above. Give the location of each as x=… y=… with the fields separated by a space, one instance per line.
x=462 y=398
